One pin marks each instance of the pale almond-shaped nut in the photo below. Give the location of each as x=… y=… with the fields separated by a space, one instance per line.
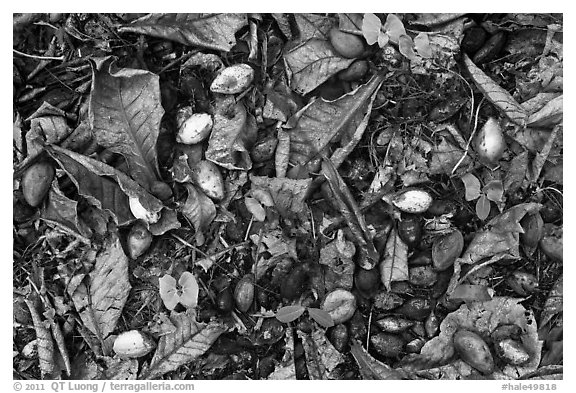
x=474 y=351
x=233 y=80
x=512 y=352
x=195 y=129
x=340 y=304
x=30 y=350
x=412 y=200
x=490 y=143
x=140 y=211
x=394 y=324
x=208 y=177
x=133 y=344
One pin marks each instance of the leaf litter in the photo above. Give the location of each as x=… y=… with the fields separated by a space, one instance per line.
x=312 y=139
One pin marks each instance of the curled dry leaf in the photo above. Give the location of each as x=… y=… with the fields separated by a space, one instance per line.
x=91 y=178
x=234 y=132
x=321 y=356
x=199 y=209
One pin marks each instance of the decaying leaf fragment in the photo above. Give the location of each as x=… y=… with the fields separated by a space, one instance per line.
x=44 y=340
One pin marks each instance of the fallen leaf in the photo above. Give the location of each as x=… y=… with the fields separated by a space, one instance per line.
x=433 y=19
x=347 y=206
x=186 y=294
x=199 y=209
x=63 y=211
x=322 y=123
x=289 y=195
x=350 y=23
x=92 y=179
x=472 y=186
x=312 y=26
x=286 y=370
x=469 y=293
x=554 y=303
x=482 y=318
x=370 y=368
x=190 y=341
x=125 y=113
x=394 y=264
x=233 y=133
x=45 y=343
x=496 y=94
x=255 y=208
x=288 y=314
x=321 y=356
x=482 y=207
x=311 y=63
x=337 y=256
x=212 y=31
x=100 y=298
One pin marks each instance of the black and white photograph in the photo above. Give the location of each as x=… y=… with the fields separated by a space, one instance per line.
x=287 y=196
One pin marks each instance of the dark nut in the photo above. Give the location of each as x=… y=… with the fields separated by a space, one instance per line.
x=347 y=45
x=244 y=292
x=161 y=190
x=339 y=337
x=139 y=240
x=340 y=304
x=387 y=345
x=294 y=285
x=355 y=72
x=410 y=231
x=533 y=226
x=422 y=276
x=474 y=351
x=36 y=182
x=417 y=308
x=225 y=301
x=522 y=283
x=446 y=249
x=367 y=281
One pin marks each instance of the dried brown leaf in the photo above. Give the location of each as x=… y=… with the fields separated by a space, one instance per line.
x=394 y=264
x=233 y=133
x=190 y=341
x=311 y=63
x=370 y=368
x=101 y=296
x=125 y=113
x=321 y=124
x=321 y=356
x=350 y=23
x=45 y=344
x=496 y=94
x=212 y=31
x=312 y=26
x=346 y=204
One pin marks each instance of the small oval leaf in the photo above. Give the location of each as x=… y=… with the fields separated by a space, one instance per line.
x=472 y=185
x=168 y=291
x=483 y=207
x=289 y=313
x=322 y=317
x=189 y=296
x=494 y=190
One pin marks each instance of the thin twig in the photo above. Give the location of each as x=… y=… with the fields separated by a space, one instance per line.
x=61 y=58
x=469 y=139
